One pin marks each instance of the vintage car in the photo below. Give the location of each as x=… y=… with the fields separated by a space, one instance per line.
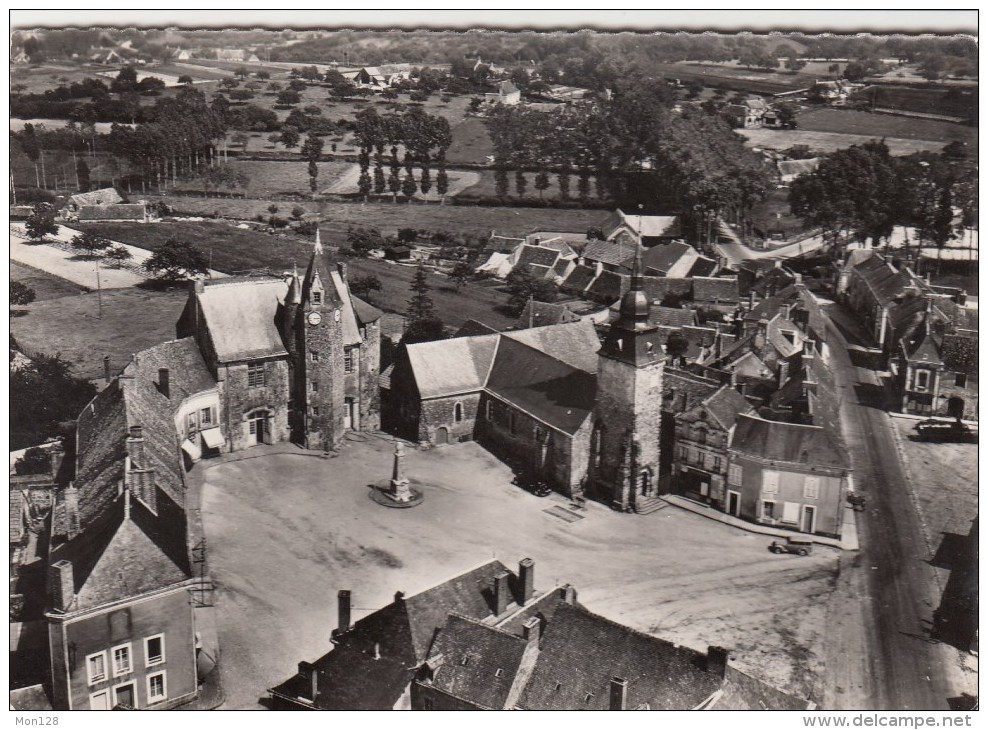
x=794 y=545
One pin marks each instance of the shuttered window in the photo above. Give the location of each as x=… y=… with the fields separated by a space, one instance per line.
x=734 y=475
x=811 y=487
x=770 y=482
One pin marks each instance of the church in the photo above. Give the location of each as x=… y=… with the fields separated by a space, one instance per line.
x=291 y=361
x=553 y=401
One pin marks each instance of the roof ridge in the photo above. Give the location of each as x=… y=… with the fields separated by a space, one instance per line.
x=478 y=566
x=625 y=627
x=492 y=627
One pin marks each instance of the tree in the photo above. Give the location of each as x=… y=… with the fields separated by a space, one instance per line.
x=362 y=286
x=241 y=72
x=185 y=79
x=263 y=75
x=290 y=137
x=522 y=286
x=126 y=80
x=288 y=97
x=177 y=260
x=362 y=240
x=20 y=294
x=273 y=208
x=41 y=222
x=409 y=186
x=787 y=115
x=35 y=461
x=677 y=345
x=297 y=212
x=461 y=273
x=89 y=242
x=795 y=64
x=42 y=396
x=82 y=173
x=311 y=151
x=117 y=255
x=421 y=322
x=442 y=182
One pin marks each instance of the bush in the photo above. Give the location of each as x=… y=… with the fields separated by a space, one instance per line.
x=307 y=228
x=34 y=461
x=276 y=222
x=33 y=195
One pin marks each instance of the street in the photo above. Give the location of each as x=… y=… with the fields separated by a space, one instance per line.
x=881 y=656
x=735 y=252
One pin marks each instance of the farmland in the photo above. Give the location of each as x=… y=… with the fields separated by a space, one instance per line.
x=826 y=142
x=269 y=179
x=471 y=143
x=45 y=285
x=847 y=121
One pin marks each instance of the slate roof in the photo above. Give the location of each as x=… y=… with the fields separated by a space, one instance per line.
x=651 y=226
x=789 y=443
x=364 y=312
x=582 y=651
x=664 y=257
x=119 y=211
x=658 y=288
x=458 y=365
x=670 y=316
x=743 y=692
x=725 y=406
x=579 y=279
x=562 y=266
x=574 y=343
x=543 y=313
x=241 y=318
x=555 y=393
x=611 y=252
x=720 y=289
x=473 y=327
x=539 y=272
x=702 y=267
x=480 y=663
x=609 y=286
x=539 y=255
x=882 y=280
x=502 y=244
x=103 y=196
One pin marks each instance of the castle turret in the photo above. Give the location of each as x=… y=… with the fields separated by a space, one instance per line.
x=625 y=462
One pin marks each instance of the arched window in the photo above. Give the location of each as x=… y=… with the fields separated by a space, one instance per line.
x=457 y=412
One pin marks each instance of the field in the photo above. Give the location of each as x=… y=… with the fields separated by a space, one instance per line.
x=269 y=179
x=133 y=319
x=736 y=78
x=952 y=102
x=389 y=217
x=37 y=80
x=826 y=142
x=459 y=180
x=44 y=284
x=471 y=143
x=848 y=121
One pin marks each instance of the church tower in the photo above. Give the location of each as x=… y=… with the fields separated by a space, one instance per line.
x=624 y=460
x=318 y=381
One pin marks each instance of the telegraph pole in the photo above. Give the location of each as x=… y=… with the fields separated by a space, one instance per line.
x=99 y=293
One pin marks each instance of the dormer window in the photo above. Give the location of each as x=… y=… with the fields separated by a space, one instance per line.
x=317 y=297
x=499 y=672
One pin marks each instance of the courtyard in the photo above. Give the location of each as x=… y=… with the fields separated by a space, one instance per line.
x=287 y=529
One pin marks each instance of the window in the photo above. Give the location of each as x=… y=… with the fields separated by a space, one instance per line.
x=190 y=422
x=315 y=385
x=770 y=482
x=314 y=355
x=716 y=464
x=317 y=297
x=157 y=687
x=734 y=475
x=96 y=667
x=154 y=650
x=922 y=379
x=960 y=380
x=255 y=374
x=206 y=416
x=811 y=487
x=597 y=445
x=457 y=412
x=348 y=360
x=315 y=411
x=684 y=453
x=768 y=510
x=121 y=660
x=100 y=700
x=541 y=435
x=124 y=695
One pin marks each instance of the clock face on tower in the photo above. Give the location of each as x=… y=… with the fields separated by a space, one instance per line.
x=314 y=318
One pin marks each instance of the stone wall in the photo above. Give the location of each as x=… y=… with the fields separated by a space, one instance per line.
x=369 y=394
x=237 y=400
x=440 y=413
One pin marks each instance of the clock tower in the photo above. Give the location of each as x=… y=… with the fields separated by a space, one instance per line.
x=318 y=368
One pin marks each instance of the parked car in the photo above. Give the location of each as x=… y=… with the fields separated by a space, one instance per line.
x=857 y=502
x=945 y=431
x=795 y=545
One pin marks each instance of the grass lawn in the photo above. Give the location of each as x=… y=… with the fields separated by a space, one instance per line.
x=471 y=143
x=133 y=319
x=276 y=179
x=237 y=250
x=936 y=100
x=44 y=284
x=849 y=121
x=389 y=217
x=826 y=142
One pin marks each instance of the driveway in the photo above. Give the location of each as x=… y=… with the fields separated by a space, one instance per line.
x=287 y=530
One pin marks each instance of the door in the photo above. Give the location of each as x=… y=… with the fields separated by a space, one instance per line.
x=809 y=519
x=442 y=436
x=734 y=503
x=256 y=428
x=124 y=696
x=704 y=489
x=348 y=413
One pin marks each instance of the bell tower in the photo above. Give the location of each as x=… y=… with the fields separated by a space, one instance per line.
x=319 y=378
x=624 y=466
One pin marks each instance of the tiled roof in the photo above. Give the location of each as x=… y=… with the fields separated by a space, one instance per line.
x=119 y=211
x=538 y=271
x=539 y=255
x=582 y=652
x=562 y=267
x=363 y=311
x=788 y=442
x=557 y=394
x=241 y=318
x=721 y=289
x=725 y=406
x=666 y=257
x=658 y=288
x=647 y=226
x=743 y=692
x=103 y=196
x=611 y=252
x=574 y=343
x=480 y=663
x=543 y=313
x=579 y=279
x=702 y=267
x=444 y=367
x=609 y=286
x=671 y=317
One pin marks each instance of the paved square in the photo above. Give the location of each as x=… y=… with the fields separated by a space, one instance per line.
x=287 y=530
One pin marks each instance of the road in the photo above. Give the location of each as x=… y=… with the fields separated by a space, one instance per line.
x=735 y=252
x=886 y=595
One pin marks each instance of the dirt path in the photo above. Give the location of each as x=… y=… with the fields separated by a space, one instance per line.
x=459 y=180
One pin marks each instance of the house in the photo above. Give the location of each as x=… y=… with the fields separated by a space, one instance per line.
x=540 y=314
x=703 y=436
x=936 y=372
x=717 y=293
x=674 y=259
x=748 y=113
x=507 y=93
x=789 y=170
x=583 y=416
x=489 y=640
x=134 y=212
x=787 y=475
x=647 y=230
x=616 y=256
x=832 y=91
x=94 y=198
x=231 y=54
x=375 y=660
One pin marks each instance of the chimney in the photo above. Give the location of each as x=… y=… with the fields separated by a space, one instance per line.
x=619 y=693
x=717 y=657
x=531 y=629
x=501 y=595
x=399 y=596
x=70 y=497
x=164 y=381
x=106 y=368
x=785 y=310
x=61 y=585
x=751 y=300
x=135 y=447
x=198 y=286
x=341 y=267
x=377 y=650
x=309 y=673
x=343 y=611
x=569 y=595
x=526 y=577
x=141 y=481
x=126 y=500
